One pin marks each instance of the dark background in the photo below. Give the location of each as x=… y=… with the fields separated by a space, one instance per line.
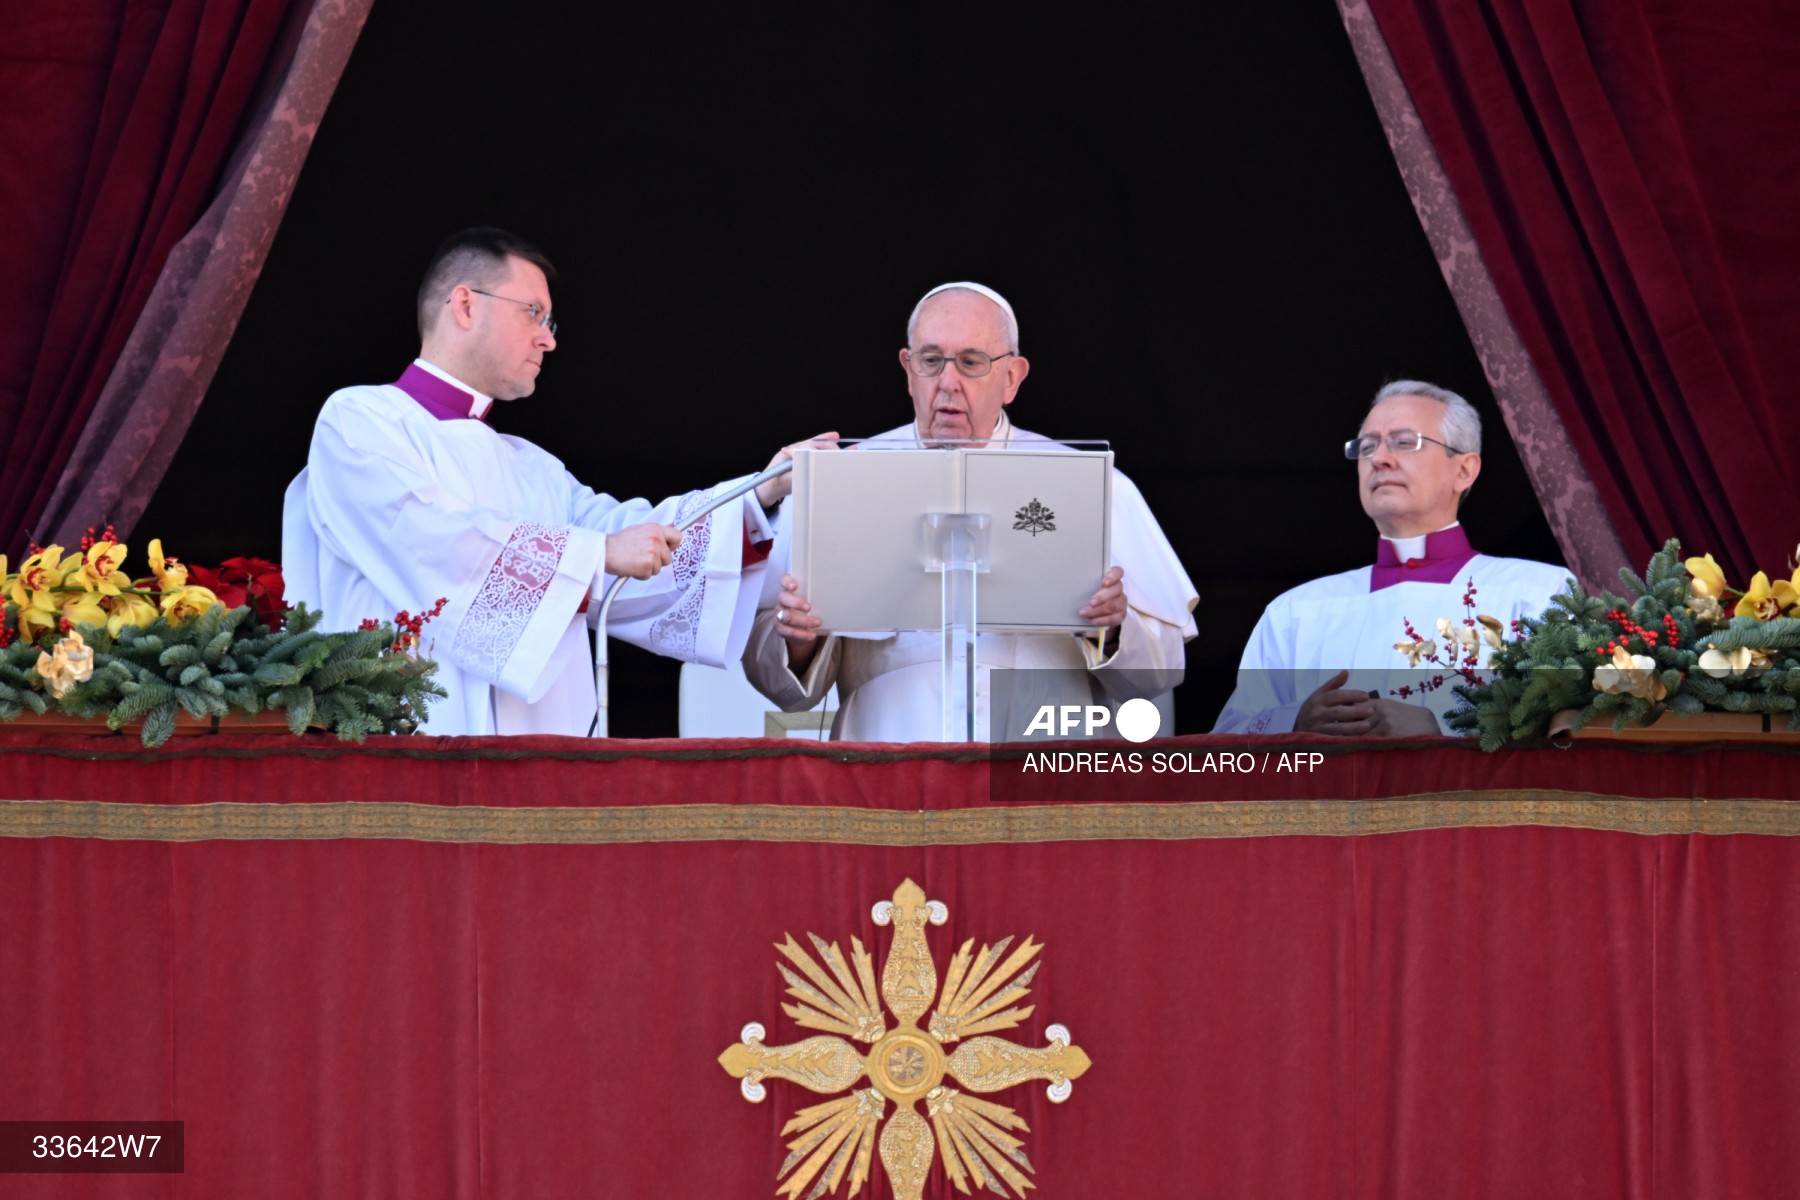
x=1192 y=208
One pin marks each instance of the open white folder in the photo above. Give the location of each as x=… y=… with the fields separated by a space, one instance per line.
x=859 y=544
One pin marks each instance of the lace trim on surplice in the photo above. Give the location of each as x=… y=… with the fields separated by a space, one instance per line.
x=677 y=632
x=515 y=585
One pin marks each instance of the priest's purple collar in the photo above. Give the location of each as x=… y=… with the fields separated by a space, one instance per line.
x=440 y=395
x=1446 y=553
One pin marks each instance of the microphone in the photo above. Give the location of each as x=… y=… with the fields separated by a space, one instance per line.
x=599 y=726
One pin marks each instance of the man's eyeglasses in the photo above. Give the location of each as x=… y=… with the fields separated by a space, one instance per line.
x=1400 y=441
x=533 y=310
x=970 y=364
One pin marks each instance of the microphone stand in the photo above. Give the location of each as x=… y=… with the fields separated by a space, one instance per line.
x=599 y=727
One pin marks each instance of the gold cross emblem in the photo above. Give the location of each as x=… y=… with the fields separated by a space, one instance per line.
x=906 y=1064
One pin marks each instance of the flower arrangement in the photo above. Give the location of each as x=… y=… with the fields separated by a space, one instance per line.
x=1460 y=651
x=1677 y=643
x=80 y=636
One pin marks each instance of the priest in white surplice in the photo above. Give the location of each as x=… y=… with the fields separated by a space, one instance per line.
x=408 y=496
x=1324 y=657
x=962 y=368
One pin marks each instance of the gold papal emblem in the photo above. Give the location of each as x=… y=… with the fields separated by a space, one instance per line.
x=906 y=1064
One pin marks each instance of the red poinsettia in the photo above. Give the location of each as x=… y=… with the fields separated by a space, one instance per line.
x=253 y=581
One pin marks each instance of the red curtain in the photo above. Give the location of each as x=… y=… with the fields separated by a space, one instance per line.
x=125 y=116
x=1630 y=174
x=163 y=373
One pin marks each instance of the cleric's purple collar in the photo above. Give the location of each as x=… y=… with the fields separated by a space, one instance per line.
x=1447 y=552
x=439 y=397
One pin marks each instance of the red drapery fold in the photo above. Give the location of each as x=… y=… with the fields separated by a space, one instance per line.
x=167 y=365
x=1562 y=484
x=1629 y=176
x=121 y=154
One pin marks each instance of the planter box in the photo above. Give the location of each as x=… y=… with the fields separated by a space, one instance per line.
x=1678 y=727
x=185 y=725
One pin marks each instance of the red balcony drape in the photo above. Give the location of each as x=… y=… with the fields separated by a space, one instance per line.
x=506 y=967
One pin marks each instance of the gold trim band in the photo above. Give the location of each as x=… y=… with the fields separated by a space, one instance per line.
x=627 y=825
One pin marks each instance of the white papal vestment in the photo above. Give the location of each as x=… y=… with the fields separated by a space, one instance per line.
x=890 y=688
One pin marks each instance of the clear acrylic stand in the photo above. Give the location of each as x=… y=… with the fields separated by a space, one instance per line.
x=956 y=547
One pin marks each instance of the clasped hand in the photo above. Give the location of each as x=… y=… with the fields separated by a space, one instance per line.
x=640 y=551
x=1348 y=712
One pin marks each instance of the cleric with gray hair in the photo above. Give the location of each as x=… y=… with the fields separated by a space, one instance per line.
x=1462 y=424
x=1369 y=652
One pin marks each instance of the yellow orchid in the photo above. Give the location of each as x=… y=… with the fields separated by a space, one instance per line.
x=1708 y=579
x=34 y=622
x=37 y=576
x=84 y=609
x=68 y=664
x=1760 y=599
x=1787 y=593
x=185 y=603
x=1631 y=674
x=100 y=569
x=130 y=611
x=171 y=576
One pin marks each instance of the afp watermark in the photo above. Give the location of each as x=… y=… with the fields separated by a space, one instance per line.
x=1136 y=720
x=1061 y=705
x=1040 y=720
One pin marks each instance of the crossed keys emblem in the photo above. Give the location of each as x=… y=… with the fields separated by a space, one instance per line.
x=1035 y=518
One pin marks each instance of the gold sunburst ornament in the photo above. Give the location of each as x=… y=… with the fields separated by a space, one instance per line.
x=906 y=1064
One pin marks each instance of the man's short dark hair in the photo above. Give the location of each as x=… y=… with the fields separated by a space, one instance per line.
x=475 y=256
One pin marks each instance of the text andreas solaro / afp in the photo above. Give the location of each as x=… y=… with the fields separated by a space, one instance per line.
x=1169 y=762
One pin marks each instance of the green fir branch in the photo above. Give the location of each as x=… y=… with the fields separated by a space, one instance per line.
x=1549 y=668
x=222 y=662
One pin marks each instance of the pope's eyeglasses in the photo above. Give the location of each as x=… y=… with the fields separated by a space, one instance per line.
x=970 y=364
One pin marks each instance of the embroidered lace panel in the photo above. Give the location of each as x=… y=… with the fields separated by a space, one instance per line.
x=677 y=632
x=509 y=596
